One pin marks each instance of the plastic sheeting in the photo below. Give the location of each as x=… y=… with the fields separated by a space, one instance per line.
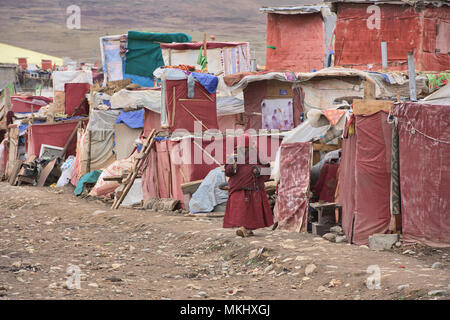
x=424 y=151
x=60 y=78
x=365 y=178
x=133 y=119
x=134 y=195
x=291 y=206
x=208 y=194
x=102 y=119
x=117 y=168
x=133 y=99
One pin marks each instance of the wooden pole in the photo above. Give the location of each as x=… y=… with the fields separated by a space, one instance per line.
x=173 y=105
x=412 y=77
x=193 y=116
x=88 y=165
x=66 y=146
x=205 y=50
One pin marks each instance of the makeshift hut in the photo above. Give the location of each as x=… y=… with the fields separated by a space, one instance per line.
x=423 y=169
x=299 y=37
x=223 y=58
x=422 y=27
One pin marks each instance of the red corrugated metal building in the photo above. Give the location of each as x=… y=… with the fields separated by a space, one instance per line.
x=419 y=26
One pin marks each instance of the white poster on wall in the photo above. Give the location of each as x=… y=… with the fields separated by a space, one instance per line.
x=277 y=114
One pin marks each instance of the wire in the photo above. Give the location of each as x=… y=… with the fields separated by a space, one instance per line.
x=412 y=130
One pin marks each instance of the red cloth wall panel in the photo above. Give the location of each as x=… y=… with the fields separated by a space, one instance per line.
x=254 y=94
x=402 y=27
x=23 y=104
x=202 y=106
x=347 y=184
x=424 y=173
x=163 y=169
x=74 y=94
x=150 y=186
x=152 y=120
x=291 y=207
x=373 y=176
x=55 y=134
x=299 y=41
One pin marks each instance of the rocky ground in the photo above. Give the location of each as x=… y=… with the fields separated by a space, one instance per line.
x=47 y=235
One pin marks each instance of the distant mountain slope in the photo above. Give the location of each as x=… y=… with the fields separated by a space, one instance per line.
x=41 y=24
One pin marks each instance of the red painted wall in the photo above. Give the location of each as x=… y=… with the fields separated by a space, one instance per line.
x=299 y=41
x=403 y=28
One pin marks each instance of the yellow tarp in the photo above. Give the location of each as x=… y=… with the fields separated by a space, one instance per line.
x=9 y=54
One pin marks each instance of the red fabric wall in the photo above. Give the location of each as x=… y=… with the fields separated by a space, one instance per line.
x=21 y=106
x=424 y=173
x=55 y=134
x=291 y=207
x=365 y=193
x=205 y=110
x=152 y=120
x=401 y=27
x=176 y=160
x=299 y=41
x=74 y=94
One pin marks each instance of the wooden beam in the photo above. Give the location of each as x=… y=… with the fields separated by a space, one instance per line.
x=364 y=106
x=369 y=90
x=190 y=187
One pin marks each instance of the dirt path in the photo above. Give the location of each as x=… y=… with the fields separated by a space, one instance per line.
x=138 y=254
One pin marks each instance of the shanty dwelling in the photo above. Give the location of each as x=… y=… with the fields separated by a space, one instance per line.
x=299 y=38
x=365 y=172
x=418 y=26
x=223 y=58
x=423 y=170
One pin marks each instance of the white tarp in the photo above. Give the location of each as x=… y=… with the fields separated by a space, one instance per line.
x=62 y=77
x=208 y=194
x=133 y=99
x=134 y=196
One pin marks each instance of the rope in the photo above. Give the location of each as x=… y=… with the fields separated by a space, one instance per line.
x=412 y=130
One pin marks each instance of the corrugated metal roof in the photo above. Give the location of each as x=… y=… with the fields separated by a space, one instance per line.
x=306 y=9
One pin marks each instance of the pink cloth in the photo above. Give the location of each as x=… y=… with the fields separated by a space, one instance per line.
x=291 y=207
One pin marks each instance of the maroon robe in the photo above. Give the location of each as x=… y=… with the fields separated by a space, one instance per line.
x=247 y=204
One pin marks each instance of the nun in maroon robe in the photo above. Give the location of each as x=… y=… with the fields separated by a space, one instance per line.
x=247 y=207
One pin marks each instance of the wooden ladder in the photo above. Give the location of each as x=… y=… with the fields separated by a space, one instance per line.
x=129 y=180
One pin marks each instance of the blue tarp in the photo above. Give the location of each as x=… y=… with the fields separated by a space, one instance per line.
x=90 y=177
x=208 y=81
x=133 y=119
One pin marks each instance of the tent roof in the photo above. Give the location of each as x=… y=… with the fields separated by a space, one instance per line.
x=436 y=3
x=300 y=76
x=305 y=9
x=9 y=54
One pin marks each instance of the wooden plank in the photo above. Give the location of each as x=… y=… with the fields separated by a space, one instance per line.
x=173 y=105
x=193 y=116
x=14 y=172
x=190 y=187
x=45 y=173
x=206 y=215
x=369 y=90
x=364 y=106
